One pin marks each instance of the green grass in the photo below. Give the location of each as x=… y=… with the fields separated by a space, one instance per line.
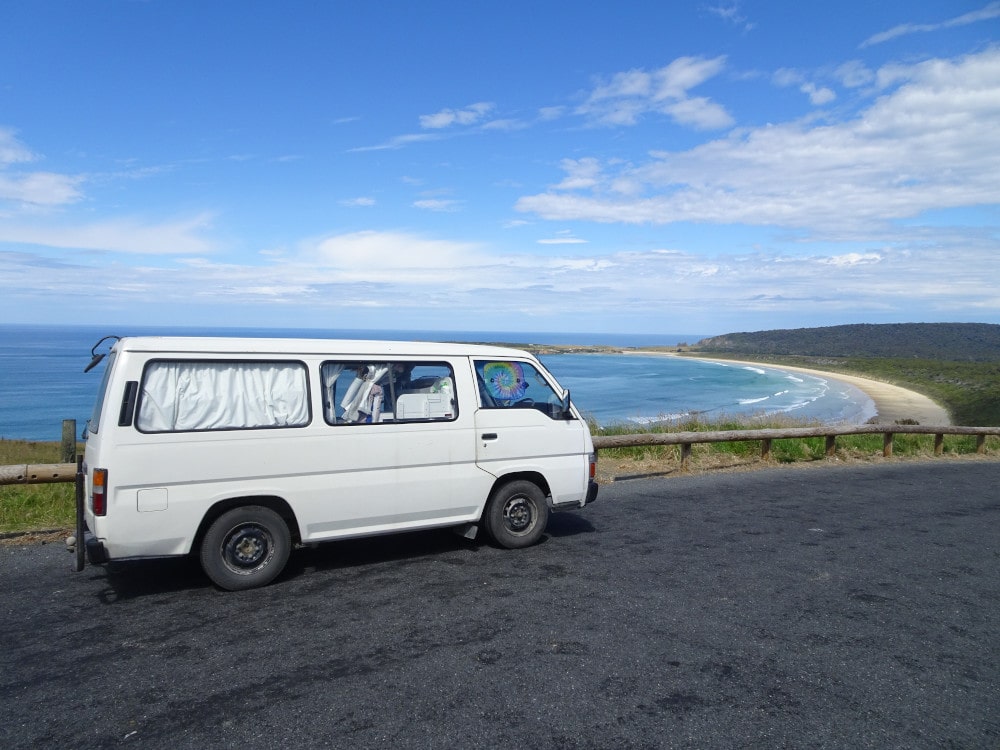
x=848 y=447
x=33 y=507
x=970 y=391
x=36 y=507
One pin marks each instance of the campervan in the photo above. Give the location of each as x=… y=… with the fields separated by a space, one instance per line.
x=236 y=450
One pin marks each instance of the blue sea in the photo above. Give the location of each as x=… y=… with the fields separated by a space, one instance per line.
x=42 y=380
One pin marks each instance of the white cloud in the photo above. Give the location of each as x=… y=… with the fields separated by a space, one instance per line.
x=851 y=259
x=621 y=100
x=786 y=77
x=131 y=236
x=731 y=13
x=372 y=252
x=448 y=117
x=12 y=151
x=440 y=121
x=818 y=95
x=580 y=174
x=546 y=114
x=396 y=142
x=351 y=276
x=929 y=144
x=627 y=96
x=699 y=113
x=986 y=13
x=505 y=125
x=676 y=79
x=361 y=201
x=444 y=205
x=854 y=74
x=40 y=188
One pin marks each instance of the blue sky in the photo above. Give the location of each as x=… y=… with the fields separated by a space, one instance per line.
x=525 y=166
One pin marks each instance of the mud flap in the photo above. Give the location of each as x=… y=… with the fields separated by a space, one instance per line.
x=80 y=522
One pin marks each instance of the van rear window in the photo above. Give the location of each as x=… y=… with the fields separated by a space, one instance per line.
x=193 y=395
x=94 y=424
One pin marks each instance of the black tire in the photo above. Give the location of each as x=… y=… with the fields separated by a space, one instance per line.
x=516 y=514
x=245 y=548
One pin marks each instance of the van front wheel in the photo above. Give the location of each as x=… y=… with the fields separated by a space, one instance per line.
x=516 y=514
x=245 y=548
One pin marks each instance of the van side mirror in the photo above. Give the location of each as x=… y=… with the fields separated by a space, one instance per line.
x=94 y=362
x=98 y=357
x=564 y=410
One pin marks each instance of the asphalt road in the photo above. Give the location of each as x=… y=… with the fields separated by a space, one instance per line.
x=822 y=607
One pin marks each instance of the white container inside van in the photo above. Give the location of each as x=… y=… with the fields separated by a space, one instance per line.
x=238 y=449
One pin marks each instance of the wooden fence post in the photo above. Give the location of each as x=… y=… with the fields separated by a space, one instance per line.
x=831 y=446
x=938 y=444
x=68 y=448
x=685 y=455
x=980 y=444
x=765 y=449
x=887 y=444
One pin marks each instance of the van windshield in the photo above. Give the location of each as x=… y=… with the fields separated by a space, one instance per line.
x=511 y=384
x=94 y=423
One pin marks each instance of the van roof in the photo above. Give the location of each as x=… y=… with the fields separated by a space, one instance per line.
x=349 y=347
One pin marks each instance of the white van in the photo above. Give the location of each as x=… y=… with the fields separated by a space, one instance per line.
x=237 y=449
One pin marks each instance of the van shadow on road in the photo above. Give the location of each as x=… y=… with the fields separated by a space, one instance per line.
x=137 y=578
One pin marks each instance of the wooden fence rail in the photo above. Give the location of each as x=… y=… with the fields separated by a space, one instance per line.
x=66 y=472
x=686 y=439
x=37 y=473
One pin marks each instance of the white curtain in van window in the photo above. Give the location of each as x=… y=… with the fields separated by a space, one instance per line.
x=180 y=396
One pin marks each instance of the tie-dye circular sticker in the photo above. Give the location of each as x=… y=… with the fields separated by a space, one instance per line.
x=505 y=380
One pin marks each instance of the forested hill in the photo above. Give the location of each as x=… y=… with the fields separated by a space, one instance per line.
x=969 y=342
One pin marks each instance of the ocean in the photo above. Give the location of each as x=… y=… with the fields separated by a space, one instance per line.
x=42 y=380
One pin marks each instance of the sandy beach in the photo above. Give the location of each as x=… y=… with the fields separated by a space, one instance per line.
x=891 y=402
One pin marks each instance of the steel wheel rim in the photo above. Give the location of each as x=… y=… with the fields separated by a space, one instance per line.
x=247 y=548
x=518 y=515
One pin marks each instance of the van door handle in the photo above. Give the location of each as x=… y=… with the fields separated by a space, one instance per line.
x=489 y=436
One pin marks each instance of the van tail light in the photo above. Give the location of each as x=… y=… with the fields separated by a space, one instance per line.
x=99 y=492
x=593 y=465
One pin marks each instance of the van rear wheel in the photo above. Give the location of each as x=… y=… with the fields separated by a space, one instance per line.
x=245 y=548
x=516 y=514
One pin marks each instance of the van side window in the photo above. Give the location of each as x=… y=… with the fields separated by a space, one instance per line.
x=396 y=391
x=511 y=384
x=195 y=395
